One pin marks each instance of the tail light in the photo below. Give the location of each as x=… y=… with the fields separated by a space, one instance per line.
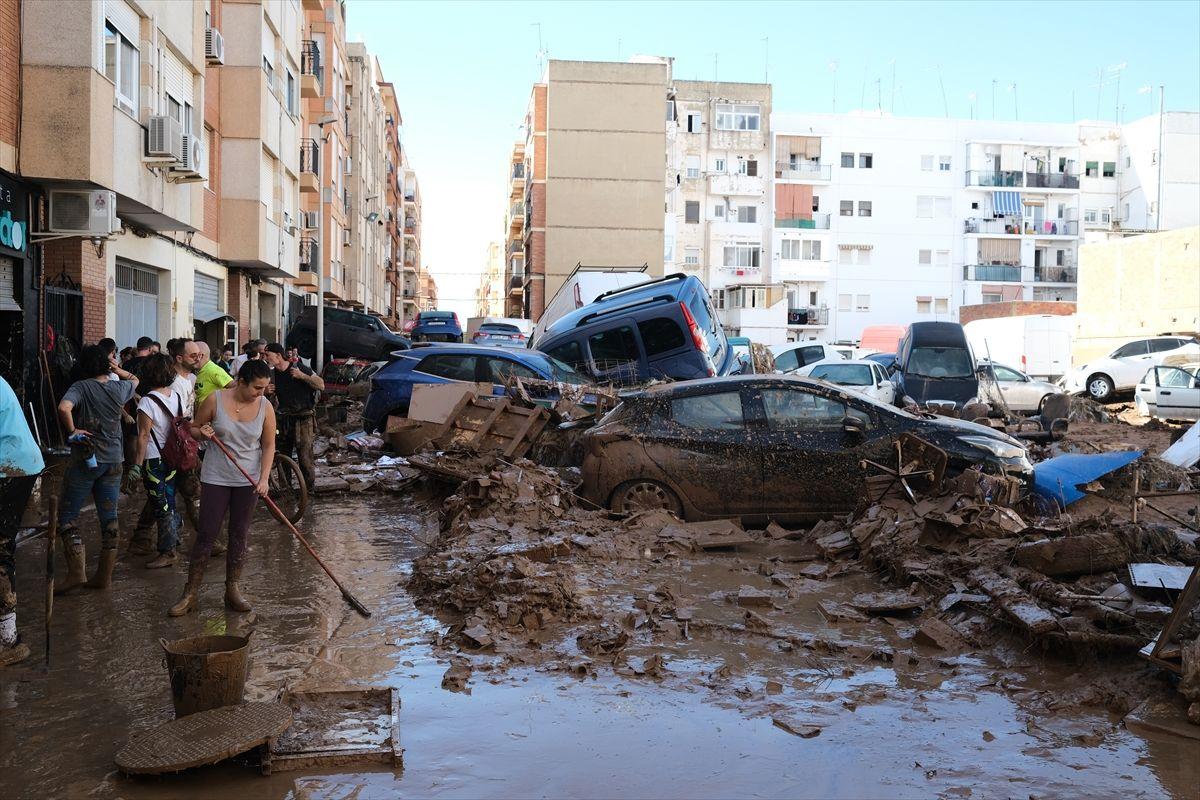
x=1023 y=367
x=697 y=335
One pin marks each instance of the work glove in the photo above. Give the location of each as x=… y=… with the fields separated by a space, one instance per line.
x=132 y=479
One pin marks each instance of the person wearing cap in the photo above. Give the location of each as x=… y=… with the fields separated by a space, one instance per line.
x=295 y=389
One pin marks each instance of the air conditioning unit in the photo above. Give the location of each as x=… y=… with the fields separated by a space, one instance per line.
x=289 y=224
x=193 y=166
x=83 y=213
x=214 y=47
x=349 y=166
x=345 y=237
x=164 y=140
x=310 y=299
x=311 y=219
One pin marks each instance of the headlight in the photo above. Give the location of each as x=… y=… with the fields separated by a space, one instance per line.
x=994 y=446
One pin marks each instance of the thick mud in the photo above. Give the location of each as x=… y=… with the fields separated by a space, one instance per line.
x=716 y=715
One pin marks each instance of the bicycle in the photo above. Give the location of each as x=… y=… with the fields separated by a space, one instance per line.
x=287 y=488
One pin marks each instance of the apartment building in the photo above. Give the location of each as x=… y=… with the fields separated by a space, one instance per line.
x=427 y=296
x=394 y=205
x=366 y=173
x=717 y=223
x=594 y=158
x=413 y=283
x=514 y=234
x=490 y=294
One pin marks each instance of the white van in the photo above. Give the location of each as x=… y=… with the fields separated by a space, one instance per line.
x=583 y=286
x=1038 y=345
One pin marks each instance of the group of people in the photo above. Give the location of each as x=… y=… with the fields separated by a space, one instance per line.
x=198 y=434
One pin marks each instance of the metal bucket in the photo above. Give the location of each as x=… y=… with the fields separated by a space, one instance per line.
x=206 y=671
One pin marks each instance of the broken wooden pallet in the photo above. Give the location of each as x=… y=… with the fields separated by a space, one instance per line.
x=492 y=424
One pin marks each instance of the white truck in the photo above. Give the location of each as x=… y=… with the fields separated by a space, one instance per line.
x=1038 y=345
x=583 y=286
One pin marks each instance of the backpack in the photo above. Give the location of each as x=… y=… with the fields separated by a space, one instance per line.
x=182 y=451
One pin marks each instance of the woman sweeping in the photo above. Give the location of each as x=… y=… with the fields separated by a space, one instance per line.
x=243 y=420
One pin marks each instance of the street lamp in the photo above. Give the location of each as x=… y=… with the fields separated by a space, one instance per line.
x=319 y=360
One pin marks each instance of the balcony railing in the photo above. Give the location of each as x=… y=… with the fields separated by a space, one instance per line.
x=810 y=315
x=1052 y=227
x=310 y=156
x=517 y=212
x=802 y=170
x=310 y=59
x=1010 y=225
x=516 y=282
x=518 y=172
x=992 y=272
x=410 y=225
x=1056 y=274
x=310 y=253
x=989 y=177
x=816 y=222
x=1051 y=180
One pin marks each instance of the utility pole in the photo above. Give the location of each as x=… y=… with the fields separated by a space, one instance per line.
x=833 y=65
x=766 y=59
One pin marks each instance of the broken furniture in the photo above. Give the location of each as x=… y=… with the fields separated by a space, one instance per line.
x=206 y=737
x=919 y=464
x=337 y=727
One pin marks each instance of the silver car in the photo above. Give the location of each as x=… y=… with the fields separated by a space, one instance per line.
x=1019 y=391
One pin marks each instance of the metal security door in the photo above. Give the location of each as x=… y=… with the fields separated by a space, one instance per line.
x=137 y=304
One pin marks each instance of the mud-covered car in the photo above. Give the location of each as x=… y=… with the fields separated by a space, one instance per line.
x=764 y=447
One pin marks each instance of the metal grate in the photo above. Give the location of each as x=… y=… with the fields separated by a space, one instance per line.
x=137 y=279
x=203 y=738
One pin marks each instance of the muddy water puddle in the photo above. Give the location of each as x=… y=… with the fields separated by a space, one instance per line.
x=717 y=722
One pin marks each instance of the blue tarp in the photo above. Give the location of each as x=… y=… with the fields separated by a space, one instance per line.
x=1057 y=477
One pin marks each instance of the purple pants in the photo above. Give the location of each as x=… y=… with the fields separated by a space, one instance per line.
x=215 y=501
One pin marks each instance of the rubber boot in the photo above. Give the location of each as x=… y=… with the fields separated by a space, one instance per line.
x=166 y=559
x=143 y=542
x=76 y=576
x=233 y=596
x=218 y=548
x=104 y=569
x=190 y=602
x=13 y=653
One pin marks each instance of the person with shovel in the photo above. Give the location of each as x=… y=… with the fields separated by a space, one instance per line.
x=241 y=421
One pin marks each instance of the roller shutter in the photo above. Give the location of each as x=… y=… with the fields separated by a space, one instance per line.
x=206 y=302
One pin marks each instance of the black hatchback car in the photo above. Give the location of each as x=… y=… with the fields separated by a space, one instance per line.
x=764 y=447
x=348 y=334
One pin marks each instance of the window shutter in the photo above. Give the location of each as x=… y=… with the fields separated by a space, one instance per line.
x=122 y=17
x=177 y=79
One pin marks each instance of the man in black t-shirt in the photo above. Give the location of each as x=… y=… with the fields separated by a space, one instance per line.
x=294 y=390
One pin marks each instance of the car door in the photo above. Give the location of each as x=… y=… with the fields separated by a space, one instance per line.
x=1178 y=393
x=1015 y=388
x=884 y=391
x=704 y=445
x=615 y=354
x=497 y=370
x=810 y=462
x=1131 y=362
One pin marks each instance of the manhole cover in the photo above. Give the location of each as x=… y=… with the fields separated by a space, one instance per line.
x=203 y=738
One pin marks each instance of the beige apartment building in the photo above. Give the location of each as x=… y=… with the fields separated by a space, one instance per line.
x=594 y=156
x=489 y=295
x=413 y=274
x=513 y=285
x=366 y=170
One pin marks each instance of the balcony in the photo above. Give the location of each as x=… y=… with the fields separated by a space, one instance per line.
x=1056 y=274
x=1004 y=226
x=818 y=222
x=1052 y=227
x=810 y=315
x=310 y=161
x=310 y=69
x=1051 y=180
x=516 y=215
x=1008 y=178
x=724 y=183
x=999 y=273
x=804 y=171
x=804 y=270
x=410 y=226
x=516 y=285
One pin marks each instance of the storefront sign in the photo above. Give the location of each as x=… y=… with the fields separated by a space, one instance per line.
x=14 y=218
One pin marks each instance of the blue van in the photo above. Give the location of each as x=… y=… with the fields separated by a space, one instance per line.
x=934 y=362
x=665 y=328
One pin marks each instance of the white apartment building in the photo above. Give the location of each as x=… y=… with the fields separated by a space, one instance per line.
x=885 y=220
x=368 y=246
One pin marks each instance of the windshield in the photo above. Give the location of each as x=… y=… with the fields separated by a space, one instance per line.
x=940 y=362
x=436 y=315
x=498 y=327
x=845 y=374
x=561 y=372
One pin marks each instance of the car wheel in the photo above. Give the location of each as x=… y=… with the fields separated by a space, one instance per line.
x=1042 y=403
x=1100 y=388
x=645 y=495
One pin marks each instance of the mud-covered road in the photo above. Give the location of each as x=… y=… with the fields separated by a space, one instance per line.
x=936 y=725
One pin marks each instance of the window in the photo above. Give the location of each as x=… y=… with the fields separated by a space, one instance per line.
x=752 y=167
x=1092 y=169
x=1163 y=345
x=862 y=302
x=719 y=165
x=711 y=412
x=747 y=214
x=844 y=301
x=741 y=255
x=789 y=249
x=785 y=362
x=941 y=305
x=1110 y=169
x=660 y=335
x=924 y=257
x=692 y=167
x=1127 y=162
x=846 y=208
x=864 y=208
x=499 y=370
x=791 y=409
x=812 y=250
x=691 y=256
x=927 y=163
x=737 y=117
x=990 y=297
x=742 y=168
x=1089 y=215
x=943 y=163
x=941 y=207
x=1105 y=215
x=845 y=257
x=693 y=122
x=924 y=305
x=863 y=256
x=865 y=160
x=455 y=368
x=924 y=207
x=614 y=349
x=1173 y=377
x=270 y=70
x=942 y=258
x=847 y=160
x=812 y=298
x=816 y=203
x=1006 y=373
x=121 y=67
x=691 y=211
x=1126 y=217
x=719 y=211
x=290 y=96
x=568 y=353
x=1138 y=348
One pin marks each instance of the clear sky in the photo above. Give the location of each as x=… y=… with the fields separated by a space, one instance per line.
x=463 y=73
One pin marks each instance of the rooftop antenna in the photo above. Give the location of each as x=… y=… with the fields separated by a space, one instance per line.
x=879 y=95
x=618 y=48
x=973 y=97
x=714 y=68
x=942 y=84
x=541 y=51
x=1012 y=87
x=766 y=59
x=833 y=65
x=862 y=100
x=993 y=98
x=1117 y=69
x=893 y=63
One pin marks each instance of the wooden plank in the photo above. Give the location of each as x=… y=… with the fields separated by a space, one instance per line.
x=1014 y=601
x=1181 y=611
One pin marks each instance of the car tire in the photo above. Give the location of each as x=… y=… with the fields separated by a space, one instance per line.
x=645 y=495
x=1042 y=404
x=1100 y=388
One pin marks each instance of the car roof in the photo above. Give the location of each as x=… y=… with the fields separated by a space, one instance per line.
x=672 y=285
x=937 y=334
x=436 y=348
x=778 y=349
x=843 y=362
x=724 y=381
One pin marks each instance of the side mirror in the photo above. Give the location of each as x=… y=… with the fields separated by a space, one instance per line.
x=853 y=426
